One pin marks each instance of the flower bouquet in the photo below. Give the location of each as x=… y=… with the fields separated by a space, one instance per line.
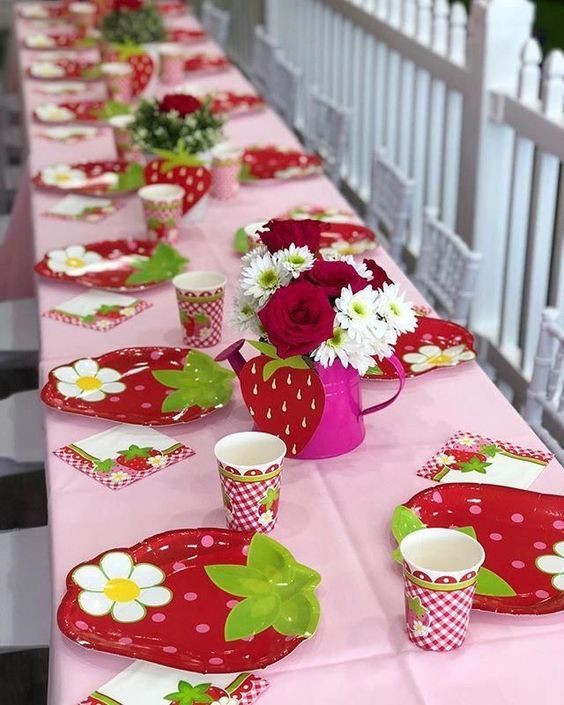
x=133 y=22
x=321 y=323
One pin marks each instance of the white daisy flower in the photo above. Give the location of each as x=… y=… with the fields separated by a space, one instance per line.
x=73 y=261
x=54 y=113
x=357 y=313
x=47 y=69
x=295 y=260
x=63 y=176
x=554 y=565
x=85 y=379
x=40 y=41
x=382 y=339
x=360 y=267
x=262 y=277
x=157 y=461
x=245 y=313
x=225 y=700
x=118 y=587
x=266 y=517
x=395 y=310
x=430 y=356
x=336 y=348
x=466 y=441
x=253 y=253
x=445 y=459
x=119 y=476
x=419 y=628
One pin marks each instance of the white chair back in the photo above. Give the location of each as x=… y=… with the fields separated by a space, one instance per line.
x=264 y=51
x=327 y=131
x=286 y=84
x=446 y=269
x=216 y=22
x=544 y=409
x=390 y=203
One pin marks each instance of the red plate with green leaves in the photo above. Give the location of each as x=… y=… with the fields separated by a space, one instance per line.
x=186 y=36
x=203 y=600
x=152 y=386
x=109 y=178
x=206 y=63
x=232 y=104
x=115 y=265
x=522 y=533
x=58 y=40
x=268 y=164
x=434 y=344
x=65 y=69
x=86 y=111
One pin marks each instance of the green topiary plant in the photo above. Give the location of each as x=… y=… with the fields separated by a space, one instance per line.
x=130 y=25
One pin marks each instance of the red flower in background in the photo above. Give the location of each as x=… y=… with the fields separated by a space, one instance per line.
x=120 y=5
x=333 y=276
x=183 y=104
x=298 y=318
x=380 y=276
x=282 y=233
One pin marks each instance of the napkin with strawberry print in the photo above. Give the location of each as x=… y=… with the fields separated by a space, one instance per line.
x=123 y=454
x=98 y=310
x=151 y=684
x=468 y=457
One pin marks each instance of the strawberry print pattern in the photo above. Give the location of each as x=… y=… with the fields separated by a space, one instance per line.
x=103 y=320
x=245 y=505
x=201 y=316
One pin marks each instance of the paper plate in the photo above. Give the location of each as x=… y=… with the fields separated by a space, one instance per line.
x=271 y=164
x=109 y=178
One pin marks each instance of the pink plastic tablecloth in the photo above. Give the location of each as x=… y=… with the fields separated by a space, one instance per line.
x=335 y=514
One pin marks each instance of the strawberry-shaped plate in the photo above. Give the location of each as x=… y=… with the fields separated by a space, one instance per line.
x=115 y=265
x=58 y=40
x=89 y=111
x=152 y=386
x=110 y=178
x=434 y=344
x=138 y=58
x=233 y=104
x=204 y=600
x=206 y=63
x=180 y=169
x=186 y=36
x=268 y=164
x=65 y=69
x=522 y=533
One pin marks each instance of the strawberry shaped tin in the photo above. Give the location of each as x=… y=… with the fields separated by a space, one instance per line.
x=203 y=600
x=115 y=265
x=522 y=533
x=267 y=164
x=108 y=178
x=183 y=170
x=151 y=386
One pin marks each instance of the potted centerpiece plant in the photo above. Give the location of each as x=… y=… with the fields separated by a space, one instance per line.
x=133 y=22
x=321 y=324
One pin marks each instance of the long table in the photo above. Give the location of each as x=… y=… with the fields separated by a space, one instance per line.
x=335 y=514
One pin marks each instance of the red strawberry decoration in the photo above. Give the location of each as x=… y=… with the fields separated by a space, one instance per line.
x=139 y=60
x=182 y=169
x=229 y=601
x=136 y=458
x=276 y=163
x=521 y=532
x=107 y=311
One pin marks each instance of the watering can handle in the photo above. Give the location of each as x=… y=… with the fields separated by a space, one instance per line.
x=398 y=367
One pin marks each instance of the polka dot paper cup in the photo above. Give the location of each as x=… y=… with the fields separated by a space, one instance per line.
x=118 y=76
x=200 y=297
x=250 y=466
x=162 y=205
x=440 y=573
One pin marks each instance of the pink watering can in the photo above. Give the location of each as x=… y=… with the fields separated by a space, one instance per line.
x=317 y=411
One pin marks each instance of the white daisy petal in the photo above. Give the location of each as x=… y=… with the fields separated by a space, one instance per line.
x=91 y=257
x=414 y=357
x=94 y=603
x=74 y=271
x=93 y=395
x=57 y=255
x=56 y=266
x=551 y=564
x=113 y=387
x=155 y=596
x=116 y=564
x=90 y=577
x=455 y=350
x=65 y=374
x=106 y=374
x=421 y=367
x=86 y=367
x=558 y=581
x=467 y=355
x=128 y=611
x=146 y=575
x=430 y=350
x=69 y=390
x=75 y=251
x=559 y=548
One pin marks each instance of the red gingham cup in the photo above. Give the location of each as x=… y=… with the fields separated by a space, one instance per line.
x=162 y=205
x=440 y=573
x=171 y=64
x=118 y=76
x=200 y=298
x=123 y=138
x=83 y=14
x=250 y=466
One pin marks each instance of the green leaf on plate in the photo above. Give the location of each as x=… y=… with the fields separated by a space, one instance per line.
x=468 y=530
x=298 y=616
x=112 y=108
x=251 y=616
x=405 y=521
x=164 y=264
x=241 y=241
x=245 y=173
x=239 y=580
x=490 y=583
x=132 y=179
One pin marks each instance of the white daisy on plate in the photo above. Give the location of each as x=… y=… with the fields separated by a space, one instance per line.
x=357 y=313
x=47 y=69
x=63 y=176
x=73 y=261
x=430 y=356
x=396 y=311
x=40 y=41
x=34 y=12
x=295 y=260
x=54 y=113
x=554 y=565
x=119 y=587
x=85 y=379
x=262 y=276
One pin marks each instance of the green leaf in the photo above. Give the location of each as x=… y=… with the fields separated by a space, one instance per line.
x=177 y=401
x=270 y=558
x=404 y=522
x=239 y=580
x=131 y=179
x=374 y=371
x=104 y=466
x=271 y=496
x=296 y=363
x=135 y=452
x=241 y=241
x=468 y=530
x=489 y=583
x=264 y=348
x=251 y=616
x=415 y=606
x=112 y=108
x=396 y=555
x=489 y=450
x=165 y=263
x=473 y=465
x=298 y=616
x=173 y=160
x=245 y=173
x=300 y=579
x=188 y=694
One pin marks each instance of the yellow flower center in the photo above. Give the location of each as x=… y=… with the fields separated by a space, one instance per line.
x=63 y=178
x=440 y=359
x=74 y=262
x=122 y=590
x=88 y=384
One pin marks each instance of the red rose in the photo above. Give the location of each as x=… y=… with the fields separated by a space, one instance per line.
x=120 y=5
x=183 y=104
x=333 y=276
x=297 y=318
x=282 y=233
x=380 y=277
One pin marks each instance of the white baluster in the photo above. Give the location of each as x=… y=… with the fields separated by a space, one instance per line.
x=440 y=26
x=381 y=9
x=394 y=14
x=553 y=85
x=457 y=44
x=530 y=73
x=424 y=22
x=409 y=17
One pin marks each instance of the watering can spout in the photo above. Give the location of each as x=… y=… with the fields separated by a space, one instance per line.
x=233 y=356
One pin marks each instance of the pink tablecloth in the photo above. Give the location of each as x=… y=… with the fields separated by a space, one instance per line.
x=335 y=514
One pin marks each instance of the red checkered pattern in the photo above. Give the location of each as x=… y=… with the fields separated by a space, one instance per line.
x=120 y=87
x=101 y=323
x=73 y=458
x=225 y=182
x=208 y=336
x=245 y=497
x=443 y=627
x=432 y=467
x=250 y=690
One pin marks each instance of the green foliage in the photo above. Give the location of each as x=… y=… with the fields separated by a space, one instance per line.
x=134 y=26
x=164 y=264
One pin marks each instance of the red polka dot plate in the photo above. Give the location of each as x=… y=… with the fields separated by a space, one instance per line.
x=108 y=178
x=267 y=164
x=204 y=600
x=152 y=386
x=115 y=265
x=522 y=533
x=433 y=345
x=88 y=111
